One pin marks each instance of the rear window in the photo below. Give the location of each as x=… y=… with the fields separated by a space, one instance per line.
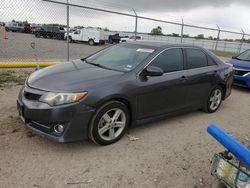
x=196 y=58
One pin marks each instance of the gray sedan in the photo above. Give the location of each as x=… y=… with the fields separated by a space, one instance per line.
x=101 y=96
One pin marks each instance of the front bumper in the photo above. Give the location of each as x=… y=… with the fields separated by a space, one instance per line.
x=242 y=81
x=41 y=117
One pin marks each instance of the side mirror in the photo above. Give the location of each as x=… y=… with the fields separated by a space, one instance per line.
x=234 y=57
x=152 y=71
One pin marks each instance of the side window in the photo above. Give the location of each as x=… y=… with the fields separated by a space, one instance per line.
x=170 y=60
x=196 y=58
x=210 y=61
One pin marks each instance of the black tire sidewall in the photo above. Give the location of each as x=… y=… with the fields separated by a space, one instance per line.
x=93 y=130
x=207 y=105
x=91 y=42
x=70 y=40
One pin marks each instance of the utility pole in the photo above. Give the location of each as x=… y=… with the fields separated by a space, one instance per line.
x=136 y=22
x=218 y=38
x=182 y=28
x=67 y=30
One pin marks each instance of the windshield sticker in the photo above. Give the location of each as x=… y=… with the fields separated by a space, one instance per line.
x=129 y=66
x=145 y=50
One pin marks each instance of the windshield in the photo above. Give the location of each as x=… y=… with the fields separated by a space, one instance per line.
x=120 y=57
x=244 y=56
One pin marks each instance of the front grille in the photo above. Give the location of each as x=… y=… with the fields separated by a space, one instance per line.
x=241 y=72
x=241 y=82
x=31 y=96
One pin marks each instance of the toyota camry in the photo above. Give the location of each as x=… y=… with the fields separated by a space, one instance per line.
x=99 y=97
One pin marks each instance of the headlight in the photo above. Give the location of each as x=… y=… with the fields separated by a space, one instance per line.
x=54 y=99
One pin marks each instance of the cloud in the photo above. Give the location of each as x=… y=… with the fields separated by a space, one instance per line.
x=166 y=5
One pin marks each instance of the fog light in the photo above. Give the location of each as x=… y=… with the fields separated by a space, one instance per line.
x=58 y=128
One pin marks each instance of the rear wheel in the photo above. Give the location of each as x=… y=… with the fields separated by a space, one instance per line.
x=37 y=35
x=214 y=100
x=91 y=42
x=110 y=40
x=70 y=40
x=109 y=123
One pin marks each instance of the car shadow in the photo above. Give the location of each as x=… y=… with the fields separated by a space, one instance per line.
x=243 y=89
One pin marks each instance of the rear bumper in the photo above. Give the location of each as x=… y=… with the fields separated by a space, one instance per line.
x=41 y=118
x=242 y=81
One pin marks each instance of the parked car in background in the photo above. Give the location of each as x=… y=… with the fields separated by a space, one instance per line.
x=90 y=35
x=100 y=96
x=2 y=24
x=50 y=32
x=114 y=38
x=14 y=27
x=241 y=64
x=27 y=28
x=71 y=30
x=132 y=38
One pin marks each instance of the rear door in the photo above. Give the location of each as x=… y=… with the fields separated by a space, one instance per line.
x=202 y=75
x=166 y=93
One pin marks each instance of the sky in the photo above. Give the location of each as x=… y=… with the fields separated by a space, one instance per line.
x=228 y=14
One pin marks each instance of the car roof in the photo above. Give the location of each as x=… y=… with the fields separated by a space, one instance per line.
x=159 y=44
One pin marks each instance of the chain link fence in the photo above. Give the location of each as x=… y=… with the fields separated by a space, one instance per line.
x=67 y=14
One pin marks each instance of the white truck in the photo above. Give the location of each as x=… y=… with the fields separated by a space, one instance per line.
x=90 y=35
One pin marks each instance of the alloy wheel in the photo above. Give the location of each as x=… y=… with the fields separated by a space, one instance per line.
x=112 y=124
x=215 y=99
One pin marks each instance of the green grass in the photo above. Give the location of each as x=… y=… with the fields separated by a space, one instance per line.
x=224 y=54
x=10 y=77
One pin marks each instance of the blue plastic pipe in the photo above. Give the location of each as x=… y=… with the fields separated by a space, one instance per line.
x=232 y=145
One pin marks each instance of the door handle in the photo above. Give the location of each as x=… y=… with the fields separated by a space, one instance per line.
x=212 y=73
x=183 y=79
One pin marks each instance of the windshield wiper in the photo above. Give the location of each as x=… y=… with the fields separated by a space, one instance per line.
x=97 y=65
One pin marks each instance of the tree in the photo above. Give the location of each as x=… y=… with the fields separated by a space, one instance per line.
x=200 y=36
x=106 y=29
x=185 y=35
x=175 y=35
x=156 y=31
x=210 y=38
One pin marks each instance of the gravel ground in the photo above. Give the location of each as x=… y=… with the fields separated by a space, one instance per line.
x=175 y=152
x=17 y=48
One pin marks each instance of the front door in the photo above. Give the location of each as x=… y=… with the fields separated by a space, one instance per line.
x=166 y=93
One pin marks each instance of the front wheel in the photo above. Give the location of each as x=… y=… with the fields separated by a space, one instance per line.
x=214 y=100
x=109 y=123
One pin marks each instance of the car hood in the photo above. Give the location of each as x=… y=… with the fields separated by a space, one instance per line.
x=74 y=76
x=239 y=64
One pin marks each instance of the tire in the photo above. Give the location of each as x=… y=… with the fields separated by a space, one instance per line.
x=214 y=99
x=70 y=40
x=91 y=42
x=37 y=35
x=110 y=40
x=104 y=128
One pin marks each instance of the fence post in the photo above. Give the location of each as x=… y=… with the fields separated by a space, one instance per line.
x=182 y=28
x=242 y=40
x=136 y=22
x=218 y=38
x=67 y=30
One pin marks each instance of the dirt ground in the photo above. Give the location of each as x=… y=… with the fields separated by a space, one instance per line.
x=175 y=152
